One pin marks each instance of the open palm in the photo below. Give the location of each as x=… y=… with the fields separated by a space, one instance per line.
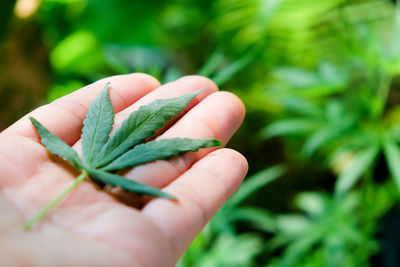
x=93 y=228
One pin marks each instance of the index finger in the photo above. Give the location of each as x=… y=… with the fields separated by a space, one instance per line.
x=64 y=116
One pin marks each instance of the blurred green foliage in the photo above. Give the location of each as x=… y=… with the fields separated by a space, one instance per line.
x=320 y=80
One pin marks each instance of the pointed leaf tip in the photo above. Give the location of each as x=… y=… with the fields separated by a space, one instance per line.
x=55 y=145
x=217 y=142
x=97 y=126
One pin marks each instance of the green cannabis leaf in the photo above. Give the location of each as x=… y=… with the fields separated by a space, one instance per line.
x=96 y=127
x=165 y=149
x=142 y=124
x=55 y=145
x=103 y=155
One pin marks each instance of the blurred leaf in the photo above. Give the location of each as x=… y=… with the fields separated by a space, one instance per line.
x=247 y=21
x=289 y=126
x=302 y=106
x=300 y=246
x=229 y=71
x=211 y=64
x=392 y=153
x=172 y=74
x=395 y=36
x=311 y=202
x=355 y=169
x=227 y=250
x=316 y=140
x=293 y=224
x=257 y=217
x=132 y=58
x=123 y=21
x=232 y=251
x=253 y=183
x=80 y=52
x=297 y=77
x=331 y=74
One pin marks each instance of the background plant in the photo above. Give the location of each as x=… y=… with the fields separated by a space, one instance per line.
x=321 y=87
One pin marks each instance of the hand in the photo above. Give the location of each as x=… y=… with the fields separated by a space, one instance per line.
x=91 y=227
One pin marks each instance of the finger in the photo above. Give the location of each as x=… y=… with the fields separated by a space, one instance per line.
x=182 y=86
x=177 y=88
x=200 y=122
x=64 y=116
x=201 y=191
x=218 y=116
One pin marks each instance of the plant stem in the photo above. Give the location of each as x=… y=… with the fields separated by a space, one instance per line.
x=31 y=222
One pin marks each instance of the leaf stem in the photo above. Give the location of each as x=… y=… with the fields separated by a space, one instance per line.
x=31 y=222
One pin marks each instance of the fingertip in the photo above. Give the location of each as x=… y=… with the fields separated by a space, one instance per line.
x=200 y=82
x=237 y=102
x=239 y=160
x=232 y=112
x=235 y=163
x=146 y=79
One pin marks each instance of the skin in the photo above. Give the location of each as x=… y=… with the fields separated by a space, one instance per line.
x=91 y=227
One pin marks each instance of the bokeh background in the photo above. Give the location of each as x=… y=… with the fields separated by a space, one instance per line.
x=320 y=81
